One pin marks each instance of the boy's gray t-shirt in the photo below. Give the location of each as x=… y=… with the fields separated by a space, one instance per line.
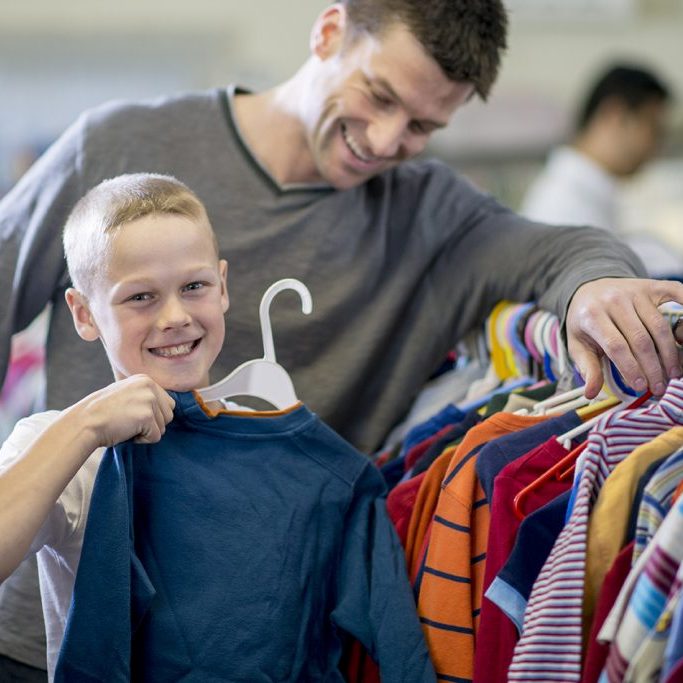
x=399 y=268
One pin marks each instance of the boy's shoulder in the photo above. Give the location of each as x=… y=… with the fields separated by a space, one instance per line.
x=24 y=432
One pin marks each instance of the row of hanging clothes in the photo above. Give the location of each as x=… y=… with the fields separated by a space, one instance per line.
x=541 y=530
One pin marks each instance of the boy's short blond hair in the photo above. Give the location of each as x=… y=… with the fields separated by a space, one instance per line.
x=92 y=223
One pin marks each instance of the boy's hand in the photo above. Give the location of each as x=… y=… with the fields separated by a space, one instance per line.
x=136 y=407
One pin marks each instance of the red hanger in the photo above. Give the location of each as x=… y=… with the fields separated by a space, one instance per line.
x=563 y=468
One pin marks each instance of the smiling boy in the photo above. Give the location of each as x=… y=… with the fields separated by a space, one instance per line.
x=148 y=283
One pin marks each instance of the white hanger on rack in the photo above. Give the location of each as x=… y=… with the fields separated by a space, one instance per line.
x=263 y=377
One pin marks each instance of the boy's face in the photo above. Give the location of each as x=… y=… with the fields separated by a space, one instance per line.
x=159 y=306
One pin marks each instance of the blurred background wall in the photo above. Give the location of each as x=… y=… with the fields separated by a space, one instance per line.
x=57 y=58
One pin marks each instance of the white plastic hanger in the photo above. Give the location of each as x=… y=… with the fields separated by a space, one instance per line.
x=263 y=377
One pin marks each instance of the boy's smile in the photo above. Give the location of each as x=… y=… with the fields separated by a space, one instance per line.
x=158 y=305
x=176 y=350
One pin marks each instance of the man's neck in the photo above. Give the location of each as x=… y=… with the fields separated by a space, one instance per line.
x=275 y=135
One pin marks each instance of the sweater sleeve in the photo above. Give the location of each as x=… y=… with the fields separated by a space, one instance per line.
x=374 y=601
x=487 y=253
x=32 y=215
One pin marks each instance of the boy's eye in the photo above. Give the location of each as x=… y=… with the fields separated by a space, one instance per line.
x=193 y=286
x=143 y=296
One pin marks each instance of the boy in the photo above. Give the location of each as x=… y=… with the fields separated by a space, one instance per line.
x=148 y=282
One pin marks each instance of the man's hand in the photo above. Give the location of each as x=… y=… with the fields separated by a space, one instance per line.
x=619 y=318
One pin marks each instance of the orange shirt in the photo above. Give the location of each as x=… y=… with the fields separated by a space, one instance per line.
x=451 y=581
x=423 y=510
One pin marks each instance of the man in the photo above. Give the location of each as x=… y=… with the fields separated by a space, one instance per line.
x=618 y=130
x=312 y=180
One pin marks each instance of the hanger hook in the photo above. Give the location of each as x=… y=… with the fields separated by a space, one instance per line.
x=264 y=310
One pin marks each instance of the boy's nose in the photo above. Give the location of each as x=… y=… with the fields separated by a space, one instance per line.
x=173 y=314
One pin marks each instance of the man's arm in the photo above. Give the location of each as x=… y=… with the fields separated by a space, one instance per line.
x=588 y=277
x=135 y=407
x=32 y=215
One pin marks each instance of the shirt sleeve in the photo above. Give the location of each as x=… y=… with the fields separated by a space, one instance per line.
x=489 y=253
x=62 y=519
x=374 y=600
x=32 y=215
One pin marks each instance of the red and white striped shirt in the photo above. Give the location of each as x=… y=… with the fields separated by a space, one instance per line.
x=550 y=646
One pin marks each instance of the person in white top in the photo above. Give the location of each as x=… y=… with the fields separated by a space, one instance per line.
x=149 y=284
x=618 y=130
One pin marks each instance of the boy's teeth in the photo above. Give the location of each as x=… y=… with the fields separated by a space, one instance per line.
x=170 y=351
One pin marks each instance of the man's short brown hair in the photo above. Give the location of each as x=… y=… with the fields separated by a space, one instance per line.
x=465 y=37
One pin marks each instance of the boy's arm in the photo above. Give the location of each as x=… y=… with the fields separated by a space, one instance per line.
x=136 y=407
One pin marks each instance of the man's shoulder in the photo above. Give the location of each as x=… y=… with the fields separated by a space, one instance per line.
x=426 y=167
x=425 y=182
x=129 y=113
x=426 y=174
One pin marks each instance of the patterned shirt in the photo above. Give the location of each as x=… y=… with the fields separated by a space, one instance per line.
x=657 y=500
x=550 y=646
x=654 y=585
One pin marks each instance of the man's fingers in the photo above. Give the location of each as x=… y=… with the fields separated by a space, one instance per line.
x=588 y=364
x=644 y=333
x=659 y=329
x=664 y=291
x=619 y=318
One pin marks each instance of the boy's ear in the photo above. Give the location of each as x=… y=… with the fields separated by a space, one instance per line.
x=225 y=299
x=328 y=31
x=81 y=314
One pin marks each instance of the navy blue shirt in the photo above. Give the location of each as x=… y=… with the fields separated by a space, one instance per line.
x=503 y=450
x=535 y=539
x=239 y=549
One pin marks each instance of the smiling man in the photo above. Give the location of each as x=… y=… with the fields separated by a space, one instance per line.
x=361 y=105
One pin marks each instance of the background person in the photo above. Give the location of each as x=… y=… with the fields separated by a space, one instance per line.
x=619 y=128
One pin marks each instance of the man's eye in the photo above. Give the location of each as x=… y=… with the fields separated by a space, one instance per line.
x=382 y=100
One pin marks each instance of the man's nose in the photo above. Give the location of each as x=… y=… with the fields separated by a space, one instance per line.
x=386 y=134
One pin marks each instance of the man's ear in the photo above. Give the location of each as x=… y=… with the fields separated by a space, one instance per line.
x=81 y=314
x=327 y=35
x=225 y=299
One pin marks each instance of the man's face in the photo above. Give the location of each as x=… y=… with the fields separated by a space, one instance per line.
x=642 y=130
x=159 y=307
x=374 y=103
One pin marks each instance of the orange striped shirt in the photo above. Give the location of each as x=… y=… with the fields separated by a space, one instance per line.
x=450 y=582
